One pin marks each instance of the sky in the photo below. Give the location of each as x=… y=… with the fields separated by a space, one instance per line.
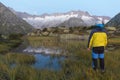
x=94 y=7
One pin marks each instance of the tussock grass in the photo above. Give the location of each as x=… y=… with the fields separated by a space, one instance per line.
x=76 y=66
x=18 y=58
x=4 y=48
x=8 y=45
x=114 y=41
x=43 y=41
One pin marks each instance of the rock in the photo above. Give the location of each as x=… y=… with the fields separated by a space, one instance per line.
x=45 y=33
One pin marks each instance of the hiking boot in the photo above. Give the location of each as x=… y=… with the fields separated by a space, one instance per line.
x=102 y=71
x=94 y=69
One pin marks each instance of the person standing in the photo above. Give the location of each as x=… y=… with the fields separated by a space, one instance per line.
x=97 y=42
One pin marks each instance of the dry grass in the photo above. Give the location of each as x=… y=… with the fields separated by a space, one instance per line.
x=77 y=66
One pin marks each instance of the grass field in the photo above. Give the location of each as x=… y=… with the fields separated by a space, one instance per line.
x=76 y=66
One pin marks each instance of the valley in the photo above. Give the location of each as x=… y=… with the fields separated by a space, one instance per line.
x=54 y=46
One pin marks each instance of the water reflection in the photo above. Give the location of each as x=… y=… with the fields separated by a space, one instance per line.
x=44 y=50
x=47 y=62
x=46 y=58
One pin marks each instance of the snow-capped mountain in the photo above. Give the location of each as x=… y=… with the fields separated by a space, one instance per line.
x=71 y=18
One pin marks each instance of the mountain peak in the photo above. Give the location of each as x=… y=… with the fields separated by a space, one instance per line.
x=78 y=12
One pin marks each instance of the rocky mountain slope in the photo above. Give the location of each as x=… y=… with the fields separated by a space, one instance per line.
x=10 y=23
x=115 y=21
x=114 y=24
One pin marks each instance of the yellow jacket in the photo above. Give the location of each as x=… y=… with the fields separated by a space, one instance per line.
x=97 y=38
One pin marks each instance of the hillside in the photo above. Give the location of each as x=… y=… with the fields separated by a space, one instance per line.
x=10 y=23
x=115 y=21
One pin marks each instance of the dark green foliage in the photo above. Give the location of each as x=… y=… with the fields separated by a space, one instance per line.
x=15 y=36
x=12 y=41
x=45 y=29
x=0 y=36
x=84 y=28
x=71 y=29
x=92 y=27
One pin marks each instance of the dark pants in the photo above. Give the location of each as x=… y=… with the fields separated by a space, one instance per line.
x=98 y=53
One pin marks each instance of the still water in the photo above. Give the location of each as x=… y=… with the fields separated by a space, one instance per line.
x=45 y=59
x=47 y=62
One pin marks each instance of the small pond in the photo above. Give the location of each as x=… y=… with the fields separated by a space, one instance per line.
x=47 y=62
x=46 y=58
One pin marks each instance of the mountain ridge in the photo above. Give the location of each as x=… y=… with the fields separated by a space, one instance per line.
x=56 y=19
